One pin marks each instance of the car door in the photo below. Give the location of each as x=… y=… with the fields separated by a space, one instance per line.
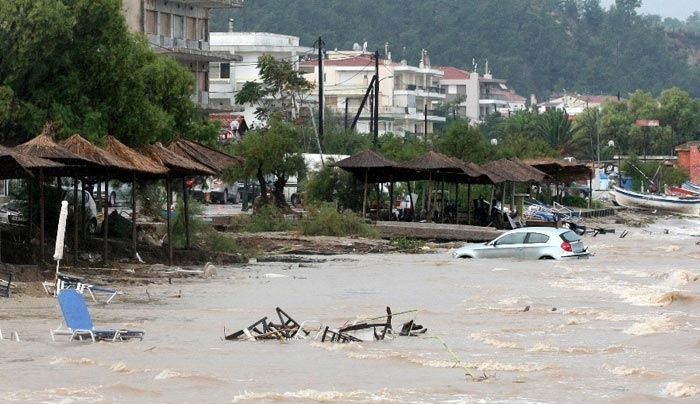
x=509 y=245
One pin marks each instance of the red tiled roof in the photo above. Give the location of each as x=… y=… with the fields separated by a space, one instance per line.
x=362 y=60
x=453 y=73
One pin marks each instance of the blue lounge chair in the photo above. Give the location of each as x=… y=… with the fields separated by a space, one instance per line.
x=79 y=322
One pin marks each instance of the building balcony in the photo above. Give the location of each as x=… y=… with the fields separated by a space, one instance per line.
x=214 y=3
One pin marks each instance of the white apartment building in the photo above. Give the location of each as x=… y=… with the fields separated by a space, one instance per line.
x=407 y=94
x=227 y=78
x=180 y=28
x=476 y=97
x=575 y=104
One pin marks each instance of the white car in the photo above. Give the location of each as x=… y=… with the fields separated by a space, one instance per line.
x=528 y=243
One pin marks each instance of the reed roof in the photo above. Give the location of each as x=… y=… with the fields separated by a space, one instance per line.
x=215 y=160
x=18 y=165
x=179 y=166
x=140 y=164
x=84 y=148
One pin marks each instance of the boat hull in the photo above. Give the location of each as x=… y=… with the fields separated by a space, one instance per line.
x=688 y=206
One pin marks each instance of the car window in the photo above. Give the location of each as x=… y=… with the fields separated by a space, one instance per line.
x=512 y=238
x=570 y=236
x=537 y=238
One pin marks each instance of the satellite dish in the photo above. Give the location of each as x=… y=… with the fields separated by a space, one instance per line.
x=356 y=46
x=494 y=142
x=611 y=143
x=235 y=125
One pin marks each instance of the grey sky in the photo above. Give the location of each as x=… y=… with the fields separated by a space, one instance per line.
x=679 y=9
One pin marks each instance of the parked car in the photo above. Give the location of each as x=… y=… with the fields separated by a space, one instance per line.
x=219 y=191
x=90 y=210
x=528 y=243
x=13 y=212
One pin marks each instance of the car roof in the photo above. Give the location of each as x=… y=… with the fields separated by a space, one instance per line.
x=552 y=230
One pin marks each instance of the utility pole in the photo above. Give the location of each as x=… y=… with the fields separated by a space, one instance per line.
x=376 y=97
x=320 y=89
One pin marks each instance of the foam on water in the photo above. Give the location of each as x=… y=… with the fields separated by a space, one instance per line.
x=681 y=390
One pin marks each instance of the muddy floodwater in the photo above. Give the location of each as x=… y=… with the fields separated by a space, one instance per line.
x=620 y=327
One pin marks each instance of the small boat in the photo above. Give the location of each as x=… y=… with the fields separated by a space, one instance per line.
x=679 y=191
x=691 y=187
x=688 y=206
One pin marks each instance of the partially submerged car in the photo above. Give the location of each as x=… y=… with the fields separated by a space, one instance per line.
x=528 y=243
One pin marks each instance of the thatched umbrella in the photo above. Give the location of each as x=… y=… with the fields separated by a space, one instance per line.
x=181 y=167
x=44 y=146
x=216 y=160
x=145 y=167
x=108 y=165
x=369 y=163
x=561 y=171
x=18 y=165
x=441 y=166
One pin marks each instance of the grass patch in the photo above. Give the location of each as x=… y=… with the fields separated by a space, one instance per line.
x=408 y=244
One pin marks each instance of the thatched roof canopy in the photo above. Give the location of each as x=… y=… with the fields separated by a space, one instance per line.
x=17 y=165
x=374 y=167
x=515 y=170
x=105 y=160
x=216 y=160
x=45 y=147
x=143 y=165
x=179 y=166
x=561 y=170
x=438 y=166
x=434 y=161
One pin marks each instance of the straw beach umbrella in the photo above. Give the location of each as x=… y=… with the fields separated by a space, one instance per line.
x=180 y=167
x=44 y=146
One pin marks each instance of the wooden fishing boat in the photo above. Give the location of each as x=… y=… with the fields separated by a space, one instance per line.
x=688 y=206
x=679 y=191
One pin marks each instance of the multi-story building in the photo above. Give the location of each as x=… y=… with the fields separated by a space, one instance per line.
x=476 y=97
x=575 y=104
x=227 y=78
x=408 y=95
x=180 y=28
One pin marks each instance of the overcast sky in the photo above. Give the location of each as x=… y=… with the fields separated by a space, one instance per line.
x=680 y=9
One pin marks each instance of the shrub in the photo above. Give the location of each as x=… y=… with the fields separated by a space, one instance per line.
x=325 y=220
x=268 y=218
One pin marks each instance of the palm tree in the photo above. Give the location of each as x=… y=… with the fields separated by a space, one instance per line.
x=556 y=129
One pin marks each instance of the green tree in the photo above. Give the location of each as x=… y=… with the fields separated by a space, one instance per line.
x=75 y=62
x=271 y=150
x=556 y=129
x=279 y=92
x=681 y=114
x=465 y=142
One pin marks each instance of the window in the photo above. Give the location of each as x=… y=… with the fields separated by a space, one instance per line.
x=178 y=27
x=513 y=238
x=537 y=238
x=151 y=22
x=191 y=29
x=225 y=71
x=165 y=24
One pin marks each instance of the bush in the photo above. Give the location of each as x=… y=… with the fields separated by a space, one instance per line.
x=268 y=218
x=325 y=220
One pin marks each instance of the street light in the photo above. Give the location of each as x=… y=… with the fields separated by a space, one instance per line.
x=611 y=144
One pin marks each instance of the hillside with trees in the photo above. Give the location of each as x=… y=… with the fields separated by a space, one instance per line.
x=541 y=47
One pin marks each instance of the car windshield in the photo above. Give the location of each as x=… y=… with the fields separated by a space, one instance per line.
x=570 y=236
